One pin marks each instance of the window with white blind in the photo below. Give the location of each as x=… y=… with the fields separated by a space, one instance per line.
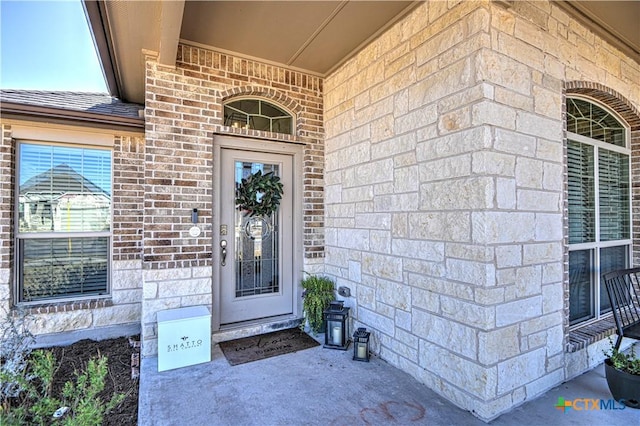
x=64 y=222
x=599 y=201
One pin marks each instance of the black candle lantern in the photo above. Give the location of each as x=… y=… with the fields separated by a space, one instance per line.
x=335 y=332
x=361 y=345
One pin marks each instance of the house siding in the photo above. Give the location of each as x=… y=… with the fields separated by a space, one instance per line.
x=184 y=109
x=445 y=193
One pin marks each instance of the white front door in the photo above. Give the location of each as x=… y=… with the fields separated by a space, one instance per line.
x=256 y=252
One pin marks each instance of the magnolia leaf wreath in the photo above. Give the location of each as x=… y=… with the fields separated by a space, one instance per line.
x=259 y=194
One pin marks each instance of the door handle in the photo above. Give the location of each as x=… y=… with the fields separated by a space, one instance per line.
x=223 y=252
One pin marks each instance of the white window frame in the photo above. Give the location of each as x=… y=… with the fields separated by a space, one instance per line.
x=595 y=247
x=61 y=138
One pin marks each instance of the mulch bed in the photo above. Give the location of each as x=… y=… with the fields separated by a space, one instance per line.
x=120 y=353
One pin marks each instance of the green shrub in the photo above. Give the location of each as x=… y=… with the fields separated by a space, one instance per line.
x=318 y=293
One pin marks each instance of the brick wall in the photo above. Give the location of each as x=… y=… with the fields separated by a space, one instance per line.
x=445 y=188
x=7 y=181
x=184 y=109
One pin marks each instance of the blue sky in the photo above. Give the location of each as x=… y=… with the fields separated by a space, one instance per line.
x=46 y=45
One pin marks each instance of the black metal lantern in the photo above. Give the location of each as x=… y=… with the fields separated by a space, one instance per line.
x=335 y=332
x=361 y=345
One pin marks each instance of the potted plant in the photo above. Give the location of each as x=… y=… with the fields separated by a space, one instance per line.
x=318 y=292
x=623 y=376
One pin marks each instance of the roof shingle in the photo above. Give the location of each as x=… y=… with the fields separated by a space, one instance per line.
x=98 y=103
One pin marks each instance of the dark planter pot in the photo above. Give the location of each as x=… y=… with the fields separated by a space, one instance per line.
x=624 y=387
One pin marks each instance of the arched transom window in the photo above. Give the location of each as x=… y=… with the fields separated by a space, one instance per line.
x=599 y=196
x=256 y=114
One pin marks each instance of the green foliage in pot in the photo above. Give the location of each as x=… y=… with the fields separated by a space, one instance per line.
x=628 y=363
x=318 y=293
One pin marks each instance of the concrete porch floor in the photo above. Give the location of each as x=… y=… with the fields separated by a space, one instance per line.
x=320 y=386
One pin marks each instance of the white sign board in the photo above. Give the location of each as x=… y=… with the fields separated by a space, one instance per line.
x=184 y=337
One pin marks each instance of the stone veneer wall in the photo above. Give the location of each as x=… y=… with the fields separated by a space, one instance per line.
x=184 y=108
x=123 y=307
x=445 y=187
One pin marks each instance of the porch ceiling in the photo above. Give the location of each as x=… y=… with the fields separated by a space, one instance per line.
x=313 y=36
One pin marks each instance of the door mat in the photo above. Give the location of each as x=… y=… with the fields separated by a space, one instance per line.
x=263 y=346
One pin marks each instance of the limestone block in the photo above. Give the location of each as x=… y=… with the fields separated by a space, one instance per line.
x=338 y=256
x=494 y=114
x=380 y=221
x=376 y=321
x=502 y=70
x=493 y=163
x=356 y=239
x=465 y=193
x=454 y=121
x=529 y=173
x=380 y=241
x=123 y=314
x=542 y=253
x=536 y=125
x=552 y=297
x=405 y=179
x=126 y=296
x=498 y=345
x=448 y=80
x=523 y=51
x=464 y=98
x=396 y=295
x=555 y=340
x=457 y=338
x=417 y=249
x=151 y=307
x=515 y=143
x=550 y=150
x=520 y=370
x=126 y=279
x=544 y=383
x=382 y=266
x=468 y=313
x=502 y=227
x=416 y=118
x=59 y=322
x=508 y=256
x=366 y=298
x=445 y=168
x=403 y=322
x=176 y=288
x=407 y=339
x=440 y=43
x=166 y=274
x=489 y=296
x=552 y=179
x=150 y=290
x=548 y=227
x=473 y=378
x=196 y=300
x=552 y=273
x=529 y=281
x=513 y=99
x=547 y=102
x=542 y=322
x=533 y=200
x=396 y=203
x=5 y=276
x=425 y=300
x=465 y=141
x=149 y=347
x=428 y=281
x=518 y=311
x=506 y=193
x=405 y=351
x=466 y=251
x=355 y=271
x=442 y=226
